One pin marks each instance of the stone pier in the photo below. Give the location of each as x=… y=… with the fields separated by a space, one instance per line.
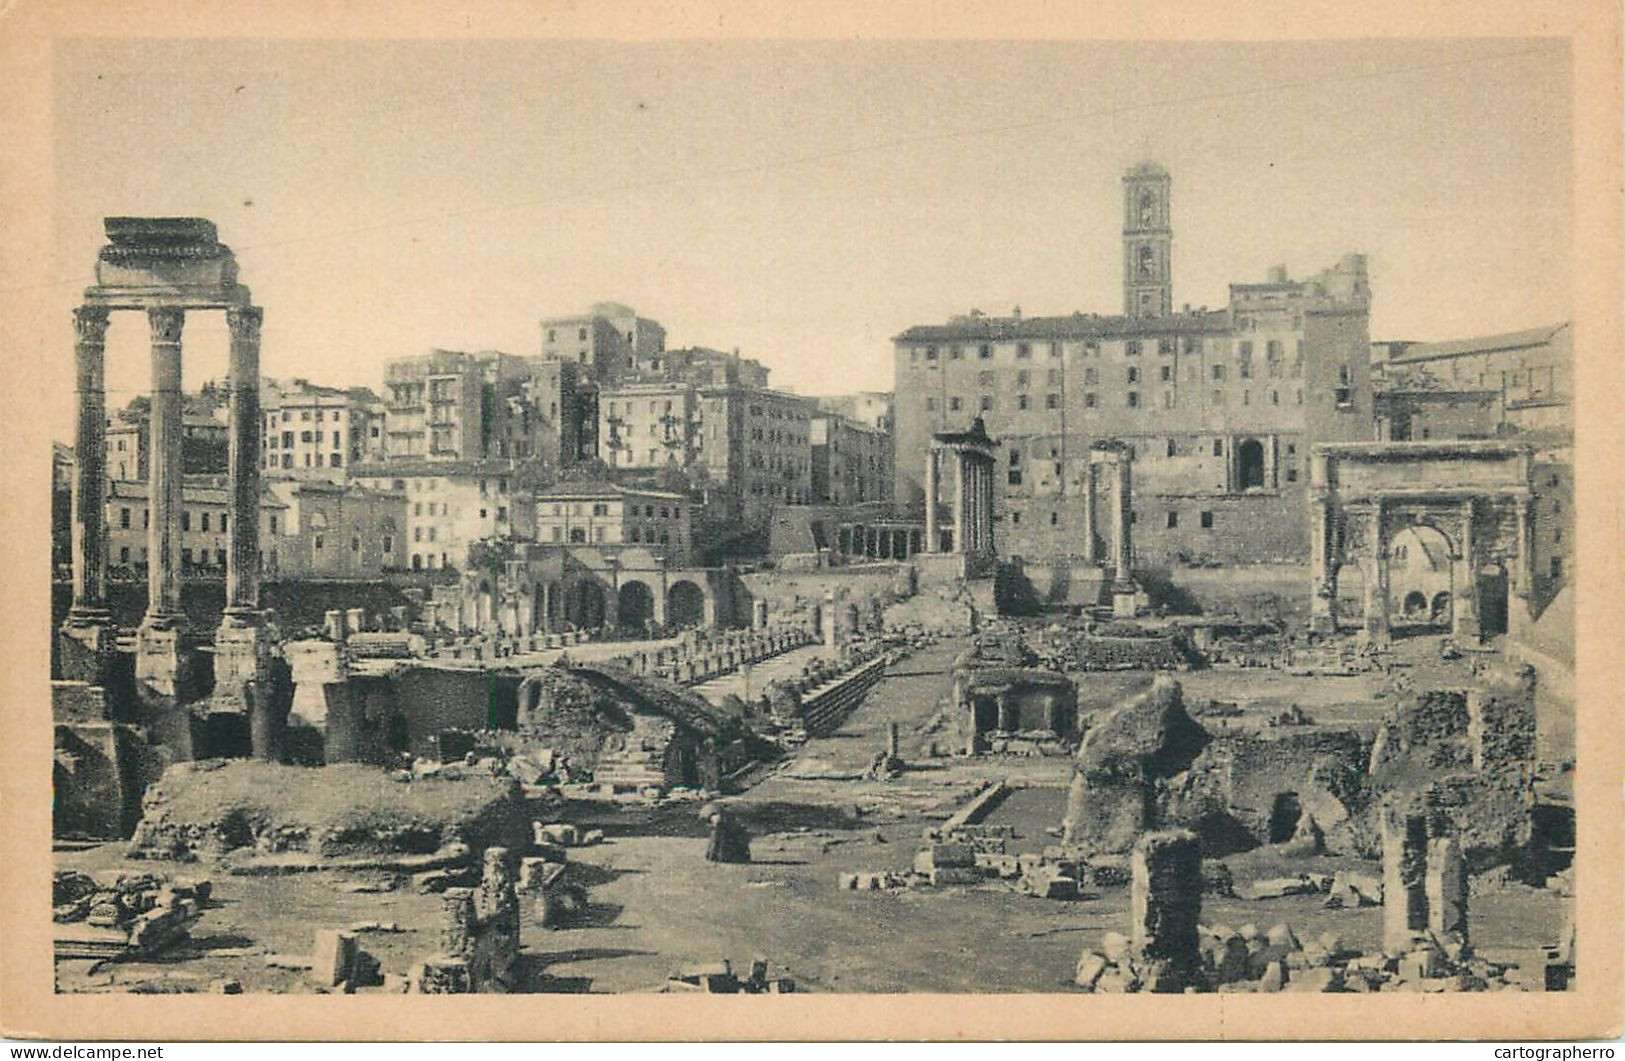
x=1404 y=879
x=1166 y=907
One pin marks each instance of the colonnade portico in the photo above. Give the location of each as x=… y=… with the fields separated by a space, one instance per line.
x=165 y=268
x=972 y=532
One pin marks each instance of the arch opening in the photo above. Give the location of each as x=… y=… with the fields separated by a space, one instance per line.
x=685 y=604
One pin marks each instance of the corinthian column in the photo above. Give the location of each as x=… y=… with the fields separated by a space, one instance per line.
x=164 y=475
x=931 y=542
x=90 y=470
x=242 y=563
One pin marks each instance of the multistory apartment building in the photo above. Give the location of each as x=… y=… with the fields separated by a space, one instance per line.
x=647 y=426
x=701 y=366
x=874 y=408
x=607 y=340
x=203 y=436
x=457 y=407
x=317 y=433
x=851 y=461
x=614 y=516
x=1221 y=407
x=753 y=450
x=450 y=506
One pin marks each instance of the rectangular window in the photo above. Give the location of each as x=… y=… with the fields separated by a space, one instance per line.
x=1133 y=399
x=955 y=353
x=1218 y=447
x=987 y=403
x=1021 y=401
x=124 y=518
x=1091 y=376
x=1052 y=401
x=1557 y=567
x=1089 y=400
x=1054 y=519
x=1173 y=520
x=1218 y=372
x=1165 y=346
x=985 y=352
x=1133 y=375
x=1207 y=521
x=124 y=554
x=1172 y=448
x=931 y=404
x=954 y=404
x=186 y=521
x=1022 y=377
x=1131 y=348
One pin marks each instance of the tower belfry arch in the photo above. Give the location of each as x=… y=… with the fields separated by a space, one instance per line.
x=1147 y=242
x=166 y=268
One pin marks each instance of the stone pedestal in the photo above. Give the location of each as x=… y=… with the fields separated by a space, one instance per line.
x=86 y=651
x=164 y=680
x=1125 y=600
x=242 y=682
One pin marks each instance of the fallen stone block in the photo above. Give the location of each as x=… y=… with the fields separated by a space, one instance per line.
x=954 y=875
x=300 y=962
x=944 y=856
x=1317 y=980
x=332 y=956
x=562 y=834
x=1277 y=888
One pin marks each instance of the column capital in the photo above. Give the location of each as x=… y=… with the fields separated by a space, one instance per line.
x=166 y=323
x=90 y=322
x=244 y=321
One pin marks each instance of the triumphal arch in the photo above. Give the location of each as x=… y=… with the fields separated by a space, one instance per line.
x=1473 y=497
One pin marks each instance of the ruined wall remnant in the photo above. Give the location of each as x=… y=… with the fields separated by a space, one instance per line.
x=1424 y=884
x=479 y=935
x=1123 y=757
x=211 y=808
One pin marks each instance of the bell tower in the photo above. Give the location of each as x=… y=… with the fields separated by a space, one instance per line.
x=1148 y=289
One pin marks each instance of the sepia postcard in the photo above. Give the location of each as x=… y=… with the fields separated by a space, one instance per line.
x=963 y=524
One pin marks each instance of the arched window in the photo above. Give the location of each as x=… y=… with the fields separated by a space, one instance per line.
x=1148 y=208
x=1148 y=262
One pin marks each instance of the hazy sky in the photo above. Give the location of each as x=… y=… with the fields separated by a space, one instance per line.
x=802 y=201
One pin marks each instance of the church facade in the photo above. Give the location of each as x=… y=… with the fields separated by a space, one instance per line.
x=1220 y=407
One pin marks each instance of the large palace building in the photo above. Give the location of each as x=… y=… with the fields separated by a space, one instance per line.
x=1221 y=407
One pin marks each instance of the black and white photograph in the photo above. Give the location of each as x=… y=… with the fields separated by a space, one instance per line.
x=604 y=516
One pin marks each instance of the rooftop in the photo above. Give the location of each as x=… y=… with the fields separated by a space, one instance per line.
x=1077 y=326
x=1487 y=344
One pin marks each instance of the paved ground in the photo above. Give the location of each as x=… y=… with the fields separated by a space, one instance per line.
x=748 y=682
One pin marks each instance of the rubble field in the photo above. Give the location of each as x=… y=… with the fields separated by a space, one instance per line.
x=950 y=873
